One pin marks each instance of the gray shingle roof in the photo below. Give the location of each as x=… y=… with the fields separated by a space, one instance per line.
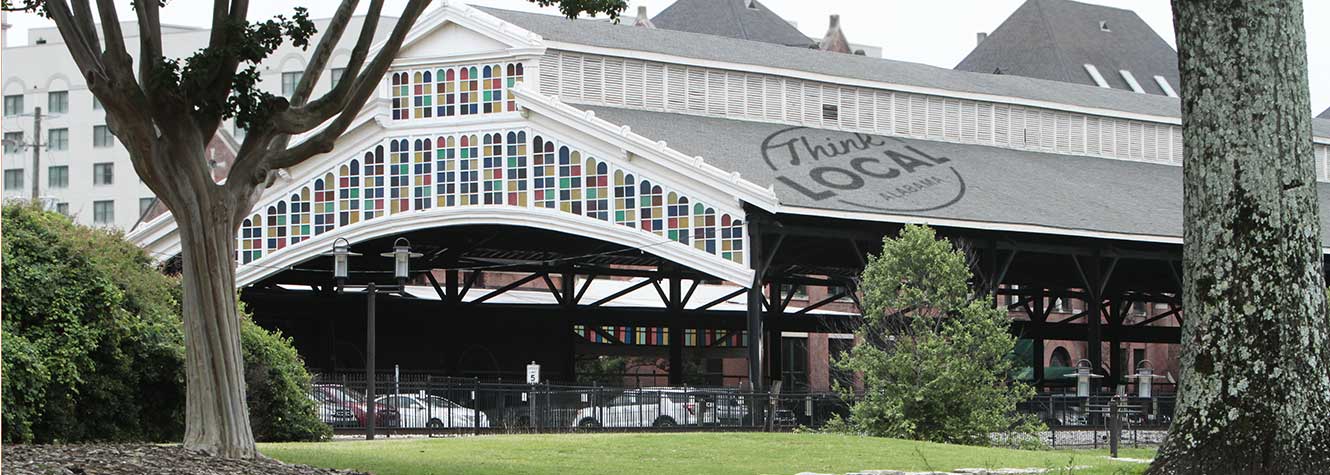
x=1055 y=39
x=732 y=18
x=1000 y=185
x=1324 y=115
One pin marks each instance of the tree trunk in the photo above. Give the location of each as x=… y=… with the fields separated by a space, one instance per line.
x=1255 y=365
x=216 y=414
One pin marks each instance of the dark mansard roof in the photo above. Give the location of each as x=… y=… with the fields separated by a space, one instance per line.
x=742 y=19
x=1055 y=39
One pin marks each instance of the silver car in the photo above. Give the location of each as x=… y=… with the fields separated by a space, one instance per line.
x=418 y=411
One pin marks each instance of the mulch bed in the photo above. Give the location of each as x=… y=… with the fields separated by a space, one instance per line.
x=137 y=459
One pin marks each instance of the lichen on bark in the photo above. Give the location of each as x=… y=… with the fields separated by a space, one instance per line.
x=1256 y=370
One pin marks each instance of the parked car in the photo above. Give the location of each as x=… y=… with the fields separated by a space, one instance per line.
x=336 y=397
x=728 y=406
x=428 y=411
x=649 y=407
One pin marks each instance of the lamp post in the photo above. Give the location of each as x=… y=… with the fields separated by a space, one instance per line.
x=1083 y=376
x=401 y=254
x=1145 y=378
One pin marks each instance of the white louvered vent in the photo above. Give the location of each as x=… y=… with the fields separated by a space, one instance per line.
x=734 y=94
x=676 y=88
x=812 y=103
x=984 y=123
x=754 y=94
x=614 y=81
x=1002 y=125
x=1177 y=144
x=1062 y=141
x=882 y=112
x=774 y=97
x=867 y=109
x=1077 y=135
x=1019 y=134
x=716 y=92
x=951 y=119
x=1093 y=145
x=918 y=115
x=570 y=77
x=1122 y=139
x=1151 y=150
x=935 y=116
x=594 y=79
x=900 y=113
x=636 y=86
x=549 y=74
x=849 y=108
x=1137 y=141
x=969 y=122
x=697 y=89
x=1048 y=123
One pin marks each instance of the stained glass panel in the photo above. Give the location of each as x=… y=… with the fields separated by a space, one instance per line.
x=423 y=94
x=276 y=226
x=570 y=180
x=704 y=228
x=543 y=177
x=597 y=189
x=625 y=199
x=300 y=219
x=445 y=153
x=517 y=172
x=399 y=172
x=468 y=170
x=491 y=153
x=422 y=175
x=651 y=206
x=348 y=193
x=678 y=222
x=324 y=204
x=373 y=195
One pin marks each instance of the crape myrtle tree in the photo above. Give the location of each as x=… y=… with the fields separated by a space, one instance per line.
x=166 y=110
x=1255 y=355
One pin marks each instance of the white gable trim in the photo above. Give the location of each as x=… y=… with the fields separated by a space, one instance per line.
x=518 y=40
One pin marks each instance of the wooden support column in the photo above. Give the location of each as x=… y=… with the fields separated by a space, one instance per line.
x=1115 y=311
x=758 y=259
x=775 y=311
x=1037 y=346
x=1094 y=307
x=450 y=285
x=675 y=308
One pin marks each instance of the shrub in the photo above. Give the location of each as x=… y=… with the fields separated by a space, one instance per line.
x=934 y=359
x=93 y=345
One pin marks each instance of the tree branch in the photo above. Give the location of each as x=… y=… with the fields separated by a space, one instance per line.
x=83 y=13
x=366 y=83
x=150 y=38
x=323 y=52
x=87 y=59
x=223 y=20
x=307 y=116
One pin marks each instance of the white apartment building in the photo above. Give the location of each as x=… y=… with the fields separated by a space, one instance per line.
x=83 y=169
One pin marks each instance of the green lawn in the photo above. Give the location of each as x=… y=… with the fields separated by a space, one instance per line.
x=690 y=453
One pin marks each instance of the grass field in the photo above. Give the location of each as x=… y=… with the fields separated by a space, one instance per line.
x=683 y=453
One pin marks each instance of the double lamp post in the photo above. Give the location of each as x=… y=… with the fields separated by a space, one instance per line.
x=401 y=255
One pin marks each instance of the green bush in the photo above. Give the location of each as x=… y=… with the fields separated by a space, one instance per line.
x=93 y=346
x=935 y=360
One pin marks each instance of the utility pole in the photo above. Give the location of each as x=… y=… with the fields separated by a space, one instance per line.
x=36 y=155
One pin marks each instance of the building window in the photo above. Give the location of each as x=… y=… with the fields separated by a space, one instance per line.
x=401 y=94
x=57 y=176
x=103 y=173
x=13 y=105
x=13 y=142
x=103 y=212
x=1137 y=356
x=57 y=139
x=336 y=76
x=1059 y=358
x=1139 y=309
x=14 y=179
x=57 y=102
x=101 y=136
x=62 y=208
x=830 y=112
x=146 y=204
x=289 y=82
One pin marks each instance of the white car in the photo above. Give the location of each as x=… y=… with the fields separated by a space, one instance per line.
x=416 y=411
x=649 y=407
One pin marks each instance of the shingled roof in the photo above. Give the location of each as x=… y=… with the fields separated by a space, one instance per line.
x=1055 y=39
x=1324 y=115
x=742 y=19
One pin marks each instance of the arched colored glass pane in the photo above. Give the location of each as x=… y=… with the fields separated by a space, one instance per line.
x=422 y=174
x=324 y=204
x=373 y=204
x=401 y=95
x=704 y=228
x=251 y=239
x=517 y=172
x=276 y=231
x=445 y=154
x=348 y=193
x=491 y=153
x=468 y=90
x=625 y=199
x=543 y=174
x=493 y=93
x=570 y=180
x=731 y=238
x=301 y=227
x=513 y=77
x=445 y=89
x=399 y=173
x=651 y=206
x=468 y=170
x=597 y=190
x=422 y=95
x=678 y=222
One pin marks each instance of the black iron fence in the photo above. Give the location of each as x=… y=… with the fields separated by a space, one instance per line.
x=423 y=403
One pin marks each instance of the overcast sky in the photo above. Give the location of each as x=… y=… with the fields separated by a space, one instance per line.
x=936 y=32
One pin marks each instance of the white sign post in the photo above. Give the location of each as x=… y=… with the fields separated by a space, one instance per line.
x=533 y=373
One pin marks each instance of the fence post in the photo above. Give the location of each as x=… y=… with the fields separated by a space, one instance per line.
x=475 y=407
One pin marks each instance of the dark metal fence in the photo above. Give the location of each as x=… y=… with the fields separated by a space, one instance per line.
x=422 y=403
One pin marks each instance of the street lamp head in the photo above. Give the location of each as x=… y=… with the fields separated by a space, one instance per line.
x=341 y=253
x=401 y=255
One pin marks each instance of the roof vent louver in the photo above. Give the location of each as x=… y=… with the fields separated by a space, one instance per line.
x=1131 y=81
x=1163 y=84
x=1103 y=26
x=751 y=4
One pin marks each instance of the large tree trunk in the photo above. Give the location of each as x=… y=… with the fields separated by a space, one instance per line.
x=216 y=415
x=1255 y=366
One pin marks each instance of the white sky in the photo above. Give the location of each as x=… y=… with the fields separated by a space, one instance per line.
x=937 y=32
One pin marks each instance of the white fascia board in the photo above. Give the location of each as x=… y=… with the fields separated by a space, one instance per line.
x=623 y=137
x=462 y=14
x=1020 y=101
x=982 y=225
x=549 y=219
